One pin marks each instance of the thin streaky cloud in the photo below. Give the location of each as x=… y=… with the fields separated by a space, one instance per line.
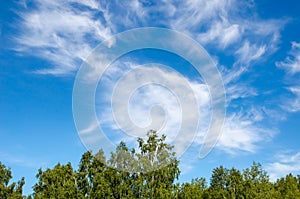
x=292 y=62
x=57 y=32
x=291 y=65
x=243 y=132
x=292 y=102
x=287 y=162
x=21 y=160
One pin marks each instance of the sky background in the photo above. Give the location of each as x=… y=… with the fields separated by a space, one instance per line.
x=255 y=45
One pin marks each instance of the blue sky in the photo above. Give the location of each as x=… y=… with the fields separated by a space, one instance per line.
x=255 y=45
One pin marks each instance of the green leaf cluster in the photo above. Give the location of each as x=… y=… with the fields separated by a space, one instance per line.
x=9 y=190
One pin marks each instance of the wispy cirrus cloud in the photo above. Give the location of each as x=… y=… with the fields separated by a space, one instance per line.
x=65 y=32
x=292 y=103
x=292 y=62
x=61 y=33
x=250 y=52
x=22 y=160
x=243 y=133
x=221 y=24
x=288 y=162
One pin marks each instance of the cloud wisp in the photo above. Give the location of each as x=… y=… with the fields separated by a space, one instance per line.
x=287 y=163
x=292 y=62
x=291 y=65
x=60 y=32
x=292 y=103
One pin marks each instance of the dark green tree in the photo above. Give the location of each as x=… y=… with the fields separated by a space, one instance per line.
x=94 y=177
x=192 y=190
x=288 y=187
x=9 y=190
x=257 y=184
x=234 y=184
x=59 y=182
x=218 y=183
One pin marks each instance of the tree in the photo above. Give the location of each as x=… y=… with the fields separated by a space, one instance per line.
x=158 y=166
x=234 y=184
x=59 y=182
x=120 y=172
x=288 y=187
x=257 y=184
x=218 y=183
x=94 y=177
x=149 y=171
x=193 y=190
x=7 y=190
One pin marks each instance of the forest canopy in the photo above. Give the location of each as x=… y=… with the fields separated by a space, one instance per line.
x=151 y=171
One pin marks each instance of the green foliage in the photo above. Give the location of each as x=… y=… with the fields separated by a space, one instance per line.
x=256 y=183
x=148 y=172
x=59 y=182
x=7 y=190
x=288 y=187
x=158 y=167
x=193 y=190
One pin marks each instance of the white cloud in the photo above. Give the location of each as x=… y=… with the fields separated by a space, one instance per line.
x=250 y=52
x=234 y=88
x=231 y=35
x=65 y=32
x=139 y=91
x=275 y=114
x=208 y=21
x=57 y=32
x=291 y=62
x=222 y=34
x=192 y=14
x=231 y=75
x=242 y=133
x=239 y=91
x=287 y=163
x=22 y=160
x=292 y=104
x=219 y=24
x=90 y=128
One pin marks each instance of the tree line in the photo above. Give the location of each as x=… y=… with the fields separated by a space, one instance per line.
x=150 y=171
